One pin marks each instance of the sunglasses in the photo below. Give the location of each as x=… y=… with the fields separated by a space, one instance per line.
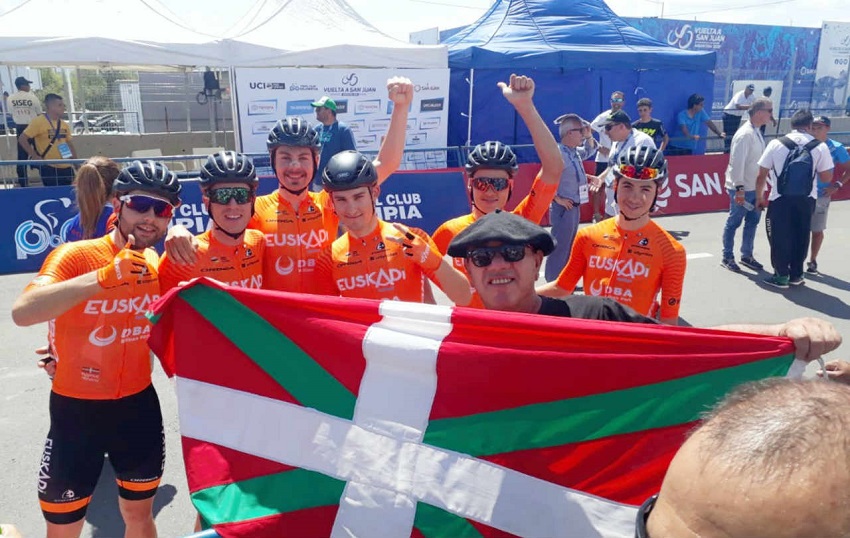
x=483 y=256
x=639 y=172
x=224 y=195
x=617 y=100
x=141 y=204
x=484 y=183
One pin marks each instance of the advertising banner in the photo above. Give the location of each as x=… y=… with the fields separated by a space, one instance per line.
x=265 y=95
x=36 y=220
x=747 y=52
x=830 y=94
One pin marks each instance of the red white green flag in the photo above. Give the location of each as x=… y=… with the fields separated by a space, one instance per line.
x=317 y=416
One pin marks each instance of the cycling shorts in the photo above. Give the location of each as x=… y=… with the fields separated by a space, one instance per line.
x=129 y=430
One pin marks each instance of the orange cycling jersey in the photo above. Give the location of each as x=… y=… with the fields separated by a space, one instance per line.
x=628 y=266
x=295 y=237
x=234 y=265
x=533 y=207
x=372 y=267
x=100 y=344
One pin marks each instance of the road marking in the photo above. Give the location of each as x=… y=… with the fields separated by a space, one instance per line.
x=699 y=255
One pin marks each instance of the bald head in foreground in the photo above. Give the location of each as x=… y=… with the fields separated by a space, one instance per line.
x=771 y=461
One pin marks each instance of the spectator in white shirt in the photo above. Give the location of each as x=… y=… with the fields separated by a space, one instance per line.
x=25 y=107
x=747 y=147
x=735 y=110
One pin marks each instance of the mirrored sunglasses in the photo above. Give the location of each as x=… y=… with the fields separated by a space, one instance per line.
x=141 y=204
x=483 y=256
x=617 y=100
x=639 y=172
x=484 y=183
x=224 y=195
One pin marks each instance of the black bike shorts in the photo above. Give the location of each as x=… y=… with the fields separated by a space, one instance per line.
x=129 y=430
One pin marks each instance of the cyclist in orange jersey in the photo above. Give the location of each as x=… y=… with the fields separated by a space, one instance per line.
x=375 y=259
x=299 y=224
x=629 y=257
x=491 y=166
x=227 y=252
x=95 y=293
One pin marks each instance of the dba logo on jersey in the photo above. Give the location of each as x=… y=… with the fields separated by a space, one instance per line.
x=596 y=288
x=623 y=268
x=286 y=268
x=385 y=278
x=102 y=341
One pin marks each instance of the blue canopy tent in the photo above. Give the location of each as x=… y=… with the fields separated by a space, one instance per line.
x=578 y=52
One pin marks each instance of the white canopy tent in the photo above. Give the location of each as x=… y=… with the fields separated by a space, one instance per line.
x=322 y=33
x=143 y=33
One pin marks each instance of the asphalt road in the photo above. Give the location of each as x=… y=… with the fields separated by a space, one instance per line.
x=712 y=296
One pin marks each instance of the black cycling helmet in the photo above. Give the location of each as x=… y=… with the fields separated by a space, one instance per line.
x=228 y=167
x=491 y=155
x=642 y=164
x=293 y=131
x=348 y=170
x=149 y=176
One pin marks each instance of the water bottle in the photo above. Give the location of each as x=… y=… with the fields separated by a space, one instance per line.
x=748 y=206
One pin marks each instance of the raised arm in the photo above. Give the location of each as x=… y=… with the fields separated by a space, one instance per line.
x=519 y=92
x=400 y=91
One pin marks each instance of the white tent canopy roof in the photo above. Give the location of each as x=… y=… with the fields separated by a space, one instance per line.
x=343 y=37
x=137 y=33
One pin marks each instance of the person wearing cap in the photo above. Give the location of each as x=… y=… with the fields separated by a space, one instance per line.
x=577 y=144
x=840 y=174
x=629 y=258
x=618 y=100
x=503 y=253
x=334 y=135
x=747 y=147
x=734 y=111
x=690 y=122
x=623 y=137
x=25 y=107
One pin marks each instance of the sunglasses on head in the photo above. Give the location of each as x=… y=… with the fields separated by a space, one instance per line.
x=141 y=204
x=639 y=172
x=484 y=183
x=223 y=195
x=483 y=256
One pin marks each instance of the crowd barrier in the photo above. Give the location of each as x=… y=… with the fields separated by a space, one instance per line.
x=36 y=220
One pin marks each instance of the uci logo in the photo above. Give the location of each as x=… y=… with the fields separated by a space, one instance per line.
x=350 y=80
x=32 y=238
x=682 y=37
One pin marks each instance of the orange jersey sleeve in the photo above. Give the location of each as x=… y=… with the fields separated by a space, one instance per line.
x=673 y=276
x=536 y=203
x=101 y=343
x=449 y=229
x=576 y=263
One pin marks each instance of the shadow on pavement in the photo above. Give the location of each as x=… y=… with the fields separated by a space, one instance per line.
x=679 y=235
x=831 y=281
x=812 y=299
x=104 y=515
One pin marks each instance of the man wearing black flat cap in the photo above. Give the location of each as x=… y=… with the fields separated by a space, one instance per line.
x=503 y=253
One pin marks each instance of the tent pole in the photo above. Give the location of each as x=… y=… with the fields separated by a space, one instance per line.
x=82 y=100
x=6 y=125
x=188 y=103
x=469 y=111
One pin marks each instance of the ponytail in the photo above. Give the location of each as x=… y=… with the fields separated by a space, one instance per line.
x=93 y=186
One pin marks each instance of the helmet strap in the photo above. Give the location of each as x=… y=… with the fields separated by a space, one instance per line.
x=222 y=230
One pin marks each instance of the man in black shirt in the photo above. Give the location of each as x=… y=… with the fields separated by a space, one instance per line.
x=503 y=254
x=649 y=125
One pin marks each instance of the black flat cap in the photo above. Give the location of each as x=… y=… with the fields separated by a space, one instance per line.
x=501 y=226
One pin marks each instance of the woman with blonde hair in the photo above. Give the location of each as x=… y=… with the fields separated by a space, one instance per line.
x=93 y=187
